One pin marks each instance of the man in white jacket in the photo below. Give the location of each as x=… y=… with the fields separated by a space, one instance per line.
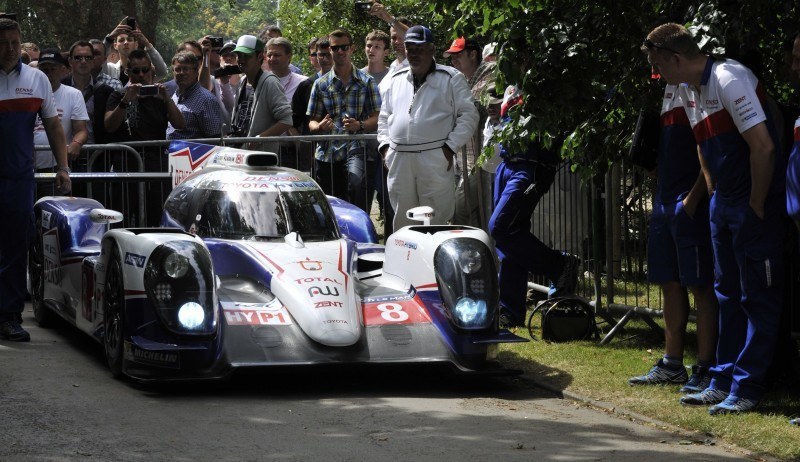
x=427 y=114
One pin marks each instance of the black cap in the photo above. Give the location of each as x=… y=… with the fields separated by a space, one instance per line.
x=52 y=55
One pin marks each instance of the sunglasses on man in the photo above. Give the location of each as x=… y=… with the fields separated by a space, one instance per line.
x=650 y=45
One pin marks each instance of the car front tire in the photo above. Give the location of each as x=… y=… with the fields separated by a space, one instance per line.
x=114 y=315
x=43 y=315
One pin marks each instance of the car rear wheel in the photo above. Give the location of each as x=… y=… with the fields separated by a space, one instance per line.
x=114 y=314
x=42 y=314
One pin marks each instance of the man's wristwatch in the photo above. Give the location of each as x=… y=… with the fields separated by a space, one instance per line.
x=63 y=169
x=361 y=125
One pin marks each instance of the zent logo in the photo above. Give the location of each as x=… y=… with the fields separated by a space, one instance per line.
x=134 y=260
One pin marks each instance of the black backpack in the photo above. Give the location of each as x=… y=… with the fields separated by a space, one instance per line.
x=565 y=319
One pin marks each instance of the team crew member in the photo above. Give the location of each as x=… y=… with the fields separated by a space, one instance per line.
x=427 y=115
x=24 y=93
x=736 y=138
x=793 y=168
x=679 y=251
x=521 y=179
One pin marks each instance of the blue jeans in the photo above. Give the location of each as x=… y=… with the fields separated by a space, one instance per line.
x=345 y=179
x=518 y=187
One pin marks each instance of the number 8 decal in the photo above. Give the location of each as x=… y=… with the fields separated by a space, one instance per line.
x=392 y=312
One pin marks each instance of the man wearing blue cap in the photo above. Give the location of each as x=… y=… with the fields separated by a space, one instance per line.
x=427 y=114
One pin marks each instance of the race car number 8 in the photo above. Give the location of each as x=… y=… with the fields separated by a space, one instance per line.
x=392 y=312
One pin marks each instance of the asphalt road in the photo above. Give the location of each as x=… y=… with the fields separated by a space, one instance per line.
x=59 y=402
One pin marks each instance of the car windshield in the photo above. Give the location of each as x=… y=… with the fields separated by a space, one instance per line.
x=264 y=214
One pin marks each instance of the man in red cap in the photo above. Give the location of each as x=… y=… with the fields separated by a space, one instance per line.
x=471 y=207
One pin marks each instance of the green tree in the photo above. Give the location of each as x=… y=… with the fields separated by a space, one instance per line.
x=580 y=65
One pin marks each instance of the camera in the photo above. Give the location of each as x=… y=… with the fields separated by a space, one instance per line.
x=363 y=6
x=227 y=70
x=131 y=22
x=148 y=90
x=216 y=42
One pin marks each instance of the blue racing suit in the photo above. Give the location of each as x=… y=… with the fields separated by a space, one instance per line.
x=520 y=182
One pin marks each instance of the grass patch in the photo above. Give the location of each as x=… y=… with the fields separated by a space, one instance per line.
x=601 y=373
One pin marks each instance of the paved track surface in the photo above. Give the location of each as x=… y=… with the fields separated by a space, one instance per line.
x=59 y=402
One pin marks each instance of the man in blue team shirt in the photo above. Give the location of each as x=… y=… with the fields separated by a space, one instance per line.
x=24 y=92
x=679 y=251
x=722 y=100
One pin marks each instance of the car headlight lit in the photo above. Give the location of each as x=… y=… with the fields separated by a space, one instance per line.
x=181 y=286
x=176 y=265
x=467 y=280
x=470 y=261
x=191 y=315
x=471 y=313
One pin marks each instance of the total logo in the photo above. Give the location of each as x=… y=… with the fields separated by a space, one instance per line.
x=317 y=279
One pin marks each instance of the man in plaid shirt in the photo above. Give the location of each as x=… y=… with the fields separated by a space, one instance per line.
x=345 y=100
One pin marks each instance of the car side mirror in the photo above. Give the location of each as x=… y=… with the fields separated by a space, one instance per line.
x=105 y=216
x=422 y=213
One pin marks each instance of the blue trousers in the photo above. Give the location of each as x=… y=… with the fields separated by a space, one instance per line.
x=749 y=273
x=518 y=187
x=16 y=208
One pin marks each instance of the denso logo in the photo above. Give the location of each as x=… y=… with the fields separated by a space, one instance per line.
x=24 y=91
x=740 y=100
x=325 y=290
x=134 y=260
x=668 y=96
x=712 y=101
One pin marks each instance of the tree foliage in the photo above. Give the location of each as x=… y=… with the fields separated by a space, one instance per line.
x=581 y=67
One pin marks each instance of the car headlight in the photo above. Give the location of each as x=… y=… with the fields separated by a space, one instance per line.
x=179 y=281
x=467 y=279
x=470 y=261
x=176 y=265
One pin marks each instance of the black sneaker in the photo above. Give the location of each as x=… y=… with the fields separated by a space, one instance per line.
x=568 y=279
x=11 y=330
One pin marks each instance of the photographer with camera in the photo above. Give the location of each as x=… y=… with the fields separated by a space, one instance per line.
x=127 y=37
x=215 y=78
x=261 y=108
x=140 y=112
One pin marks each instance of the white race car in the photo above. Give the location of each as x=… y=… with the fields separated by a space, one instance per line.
x=254 y=266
